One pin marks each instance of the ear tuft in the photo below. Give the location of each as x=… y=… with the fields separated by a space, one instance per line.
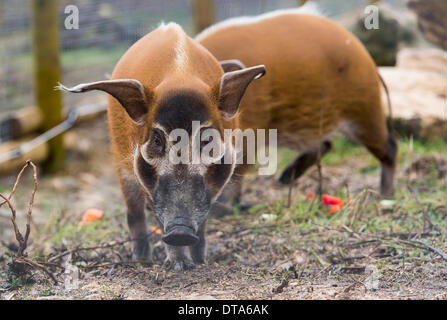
x=75 y=89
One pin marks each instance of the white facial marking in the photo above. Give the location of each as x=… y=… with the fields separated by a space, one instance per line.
x=162 y=164
x=140 y=180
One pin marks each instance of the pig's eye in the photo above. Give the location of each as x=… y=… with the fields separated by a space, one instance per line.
x=157 y=144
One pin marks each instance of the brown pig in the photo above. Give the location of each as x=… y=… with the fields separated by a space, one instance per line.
x=320 y=79
x=163 y=83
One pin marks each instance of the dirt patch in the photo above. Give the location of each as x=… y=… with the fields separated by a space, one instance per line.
x=365 y=251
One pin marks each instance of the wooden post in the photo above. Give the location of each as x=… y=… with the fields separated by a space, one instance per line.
x=301 y=2
x=203 y=14
x=46 y=47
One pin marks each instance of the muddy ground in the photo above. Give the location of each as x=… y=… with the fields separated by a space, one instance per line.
x=367 y=250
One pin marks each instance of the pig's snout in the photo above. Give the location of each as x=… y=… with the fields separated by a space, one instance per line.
x=180 y=232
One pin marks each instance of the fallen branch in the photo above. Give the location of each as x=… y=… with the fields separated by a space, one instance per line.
x=17 y=262
x=19 y=176
x=20 y=262
x=433 y=249
x=355 y=283
x=118 y=263
x=100 y=246
x=419 y=244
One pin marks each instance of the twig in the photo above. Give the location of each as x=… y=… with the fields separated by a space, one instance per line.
x=319 y=154
x=320 y=179
x=19 y=176
x=317 y=258
x=31 y=263
x=281 y=287
x=356 y=282
x=108 y=264
x=289 y=195
x=427 y=219
x=433 y=249
x=358 y=204
x=20 y=261
x=100 y=246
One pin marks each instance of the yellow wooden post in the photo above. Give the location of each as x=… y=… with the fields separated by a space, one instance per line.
x=203 y=14
x=46 y=59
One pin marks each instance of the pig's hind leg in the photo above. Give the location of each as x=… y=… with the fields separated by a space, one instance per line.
x=303 y=162
x=375 y=133
x=231 y=195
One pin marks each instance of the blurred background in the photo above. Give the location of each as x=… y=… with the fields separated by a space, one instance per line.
x=108 y=28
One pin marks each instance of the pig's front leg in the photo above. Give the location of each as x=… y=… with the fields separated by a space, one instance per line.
x=136 y=219
x=176 y=259
x=198 y=251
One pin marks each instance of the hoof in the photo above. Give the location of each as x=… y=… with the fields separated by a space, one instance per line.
x=142 y=251
x=178 y=265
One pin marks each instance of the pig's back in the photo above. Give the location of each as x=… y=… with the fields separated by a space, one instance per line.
x=309 y=61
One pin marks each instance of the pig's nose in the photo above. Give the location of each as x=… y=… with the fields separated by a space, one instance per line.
x=180 y=232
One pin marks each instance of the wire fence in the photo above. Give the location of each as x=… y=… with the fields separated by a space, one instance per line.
x=106 y=30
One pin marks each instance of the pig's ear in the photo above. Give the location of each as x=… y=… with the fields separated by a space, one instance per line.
x=232 y=87
x=129 y=92
x=233 y=64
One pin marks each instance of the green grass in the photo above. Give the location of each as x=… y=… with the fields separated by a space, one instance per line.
x=87 y=234
x=408 y=147
x=366 y=214
x=78 y=58
x=344 y=149
x=403 y=217
x=85 y=56
x=74 y=232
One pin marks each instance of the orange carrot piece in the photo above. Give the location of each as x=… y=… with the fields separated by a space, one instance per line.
x=330 y=200
x=91 y=215
x=155 y=230
x=335 y=208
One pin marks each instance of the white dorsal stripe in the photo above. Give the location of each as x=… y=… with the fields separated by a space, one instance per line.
x=308 y=8
x=181 y=57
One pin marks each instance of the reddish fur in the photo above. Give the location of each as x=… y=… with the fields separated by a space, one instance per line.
x=151 y=60
x=312 y=63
